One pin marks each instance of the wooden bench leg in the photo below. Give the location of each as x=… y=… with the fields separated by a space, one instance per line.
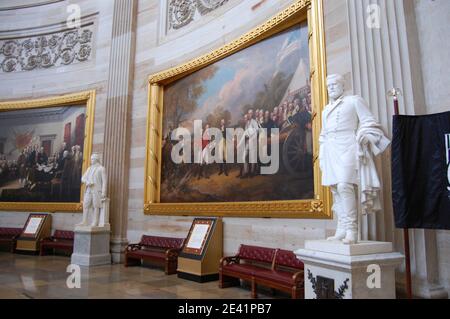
x=226 y=281
x=297 y=293
x=294 y=293
x=221 y=281
x=171 y=267
x=254 y=289
x=135 y=262
x=130 y=261
x=13 y=247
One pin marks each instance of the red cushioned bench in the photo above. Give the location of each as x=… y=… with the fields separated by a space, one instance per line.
x=9 y=236
x=274 y=268
x=158 y=250
x=61 y=239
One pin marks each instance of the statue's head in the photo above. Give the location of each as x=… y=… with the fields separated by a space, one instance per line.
x=95 y=159
x=335 y=84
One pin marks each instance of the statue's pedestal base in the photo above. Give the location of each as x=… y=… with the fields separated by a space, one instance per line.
x=91 y=247
x=361 y=271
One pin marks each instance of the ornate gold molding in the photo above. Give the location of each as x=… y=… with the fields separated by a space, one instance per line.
x=83 y=98
x=318 y=207
x=274 y=209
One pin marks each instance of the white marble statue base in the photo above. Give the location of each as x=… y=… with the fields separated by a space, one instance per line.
x=348 y=266
x=91 y=247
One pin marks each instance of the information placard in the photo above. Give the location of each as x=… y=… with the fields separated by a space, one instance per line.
x=202 y=251
x=33 y=225
x=198 y=236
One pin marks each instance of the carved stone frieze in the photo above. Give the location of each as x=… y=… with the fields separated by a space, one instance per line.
x=45 y=51
x=183 y=12
x=206 y=6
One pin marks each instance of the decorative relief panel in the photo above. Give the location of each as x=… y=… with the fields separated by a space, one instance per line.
x=46 y=51
x=183 y=12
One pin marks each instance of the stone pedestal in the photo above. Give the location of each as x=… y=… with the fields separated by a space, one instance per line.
x=91 y=247
x=335 y=270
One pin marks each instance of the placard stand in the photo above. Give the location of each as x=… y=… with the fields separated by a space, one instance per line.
x=200 y=257
x=37 y=227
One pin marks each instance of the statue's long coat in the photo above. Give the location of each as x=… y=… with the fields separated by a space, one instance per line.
x=338 y=155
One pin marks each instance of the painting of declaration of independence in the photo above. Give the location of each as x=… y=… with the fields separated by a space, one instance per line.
x=41 y=154
x=266 y=85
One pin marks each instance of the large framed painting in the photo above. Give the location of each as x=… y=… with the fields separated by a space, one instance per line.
x=235 y=132
x=45 y=145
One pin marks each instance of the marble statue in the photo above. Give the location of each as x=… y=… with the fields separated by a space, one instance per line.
x=349 y=140
x=95 y=200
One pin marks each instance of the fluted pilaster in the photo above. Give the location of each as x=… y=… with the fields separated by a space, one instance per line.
x=383 y=58
x=116 y=143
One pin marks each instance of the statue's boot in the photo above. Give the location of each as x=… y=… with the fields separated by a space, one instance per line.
x=337 y=209
x=339 y=235
x=96 y=217
x=351 y=237
x=340 y=231
x=347 y=194
x=84 y=221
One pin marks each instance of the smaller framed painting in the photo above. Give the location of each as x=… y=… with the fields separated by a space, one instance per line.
x=45 y=145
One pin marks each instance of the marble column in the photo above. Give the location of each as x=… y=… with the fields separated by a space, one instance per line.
x=386 y=56
x=117 y=127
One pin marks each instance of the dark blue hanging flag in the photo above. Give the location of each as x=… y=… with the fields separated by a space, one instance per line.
x=421 y=171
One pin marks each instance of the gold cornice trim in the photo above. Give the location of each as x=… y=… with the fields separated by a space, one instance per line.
x=69 y=99
x=314 y=209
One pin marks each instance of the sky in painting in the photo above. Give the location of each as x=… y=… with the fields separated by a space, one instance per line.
x=242 y=75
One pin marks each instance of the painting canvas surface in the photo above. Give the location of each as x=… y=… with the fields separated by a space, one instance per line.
x=41 y=154
x=267 y=83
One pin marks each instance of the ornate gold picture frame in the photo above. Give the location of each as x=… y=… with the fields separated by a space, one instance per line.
x=86 y=102
x=318 y=207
